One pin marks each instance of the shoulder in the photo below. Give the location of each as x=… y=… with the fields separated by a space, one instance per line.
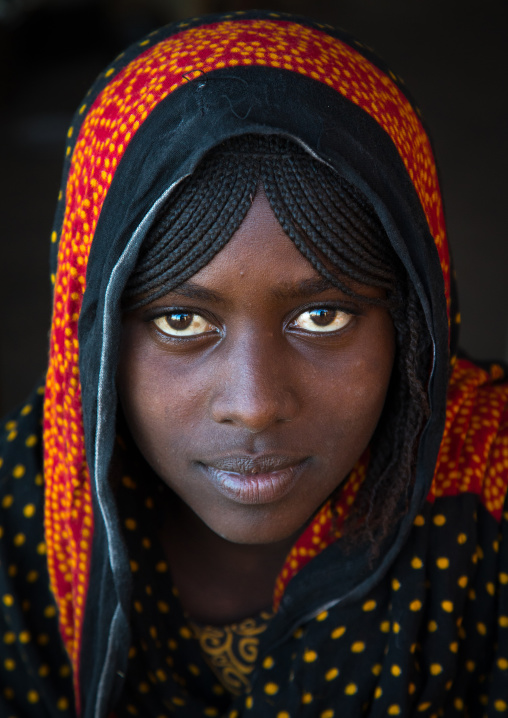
x=21 y=477
x=22 y=488
x=34 y=670
x=473 y=457
x=22 y=548
x=22 y=491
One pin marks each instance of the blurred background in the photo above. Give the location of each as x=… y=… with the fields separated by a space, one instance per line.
x=453 y=56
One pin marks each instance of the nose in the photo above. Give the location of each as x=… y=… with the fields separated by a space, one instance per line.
x=254 y=387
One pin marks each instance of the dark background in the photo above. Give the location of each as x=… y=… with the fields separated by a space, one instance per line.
x=453 y=56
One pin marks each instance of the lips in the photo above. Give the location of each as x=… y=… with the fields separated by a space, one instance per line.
x=254 y=480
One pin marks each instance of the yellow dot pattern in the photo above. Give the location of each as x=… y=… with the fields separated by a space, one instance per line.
x=473 y=456
x=31 y=649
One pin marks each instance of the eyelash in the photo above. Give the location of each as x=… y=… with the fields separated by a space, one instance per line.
x=166 y=312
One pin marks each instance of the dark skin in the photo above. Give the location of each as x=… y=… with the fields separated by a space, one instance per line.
x=251 y=391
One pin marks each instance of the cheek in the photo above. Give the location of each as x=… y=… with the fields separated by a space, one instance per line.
x=370 y=377
x=160 y=406
x=356 y=396
x=140 y=394
x=355 y=400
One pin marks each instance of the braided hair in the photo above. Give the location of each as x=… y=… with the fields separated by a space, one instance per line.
x=333 y=225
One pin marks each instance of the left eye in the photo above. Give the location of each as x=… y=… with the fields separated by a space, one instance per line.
x=322 y=319
x=186 y=324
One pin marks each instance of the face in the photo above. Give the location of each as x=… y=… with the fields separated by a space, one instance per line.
x=254 y=388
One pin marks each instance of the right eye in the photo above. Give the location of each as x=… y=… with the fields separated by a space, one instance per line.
x=183 y=324
x=322 y=320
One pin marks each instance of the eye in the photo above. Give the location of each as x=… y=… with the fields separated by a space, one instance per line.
x=183 y=324
x=322 y=319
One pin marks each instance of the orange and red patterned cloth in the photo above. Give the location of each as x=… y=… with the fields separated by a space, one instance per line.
x=425 y=629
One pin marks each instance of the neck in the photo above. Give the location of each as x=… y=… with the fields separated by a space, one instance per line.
x=219 y=582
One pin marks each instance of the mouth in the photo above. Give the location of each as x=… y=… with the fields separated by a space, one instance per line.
x=254 y=480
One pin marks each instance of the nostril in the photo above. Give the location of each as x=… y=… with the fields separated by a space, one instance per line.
x=255 y=415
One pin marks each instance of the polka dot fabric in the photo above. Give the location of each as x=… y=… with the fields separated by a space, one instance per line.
x=35 y=672
x=422 y=642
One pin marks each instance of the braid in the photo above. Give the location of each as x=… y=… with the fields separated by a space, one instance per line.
x=354 y=223
x=384 y=493
x=300 y=200
x=331 y=223
x=187 y=236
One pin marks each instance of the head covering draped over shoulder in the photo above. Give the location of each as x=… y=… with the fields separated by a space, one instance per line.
x=145 y=125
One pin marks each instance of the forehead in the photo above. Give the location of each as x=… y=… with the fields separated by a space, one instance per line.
x=261 y=262
x=259 y=242
x=288 y=208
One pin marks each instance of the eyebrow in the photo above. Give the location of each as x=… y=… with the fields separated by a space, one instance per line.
x=196 y=291
x=305 y=288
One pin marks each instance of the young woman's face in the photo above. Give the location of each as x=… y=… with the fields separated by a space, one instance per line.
x=254 y=388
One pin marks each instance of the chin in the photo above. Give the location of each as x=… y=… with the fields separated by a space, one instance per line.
x=255 y=531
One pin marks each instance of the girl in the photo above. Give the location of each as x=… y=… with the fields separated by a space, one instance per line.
x=269 y=486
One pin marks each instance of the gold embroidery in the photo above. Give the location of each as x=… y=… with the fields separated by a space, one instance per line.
x=232 y=651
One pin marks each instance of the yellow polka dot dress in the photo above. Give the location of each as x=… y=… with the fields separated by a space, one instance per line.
x=91 y=623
